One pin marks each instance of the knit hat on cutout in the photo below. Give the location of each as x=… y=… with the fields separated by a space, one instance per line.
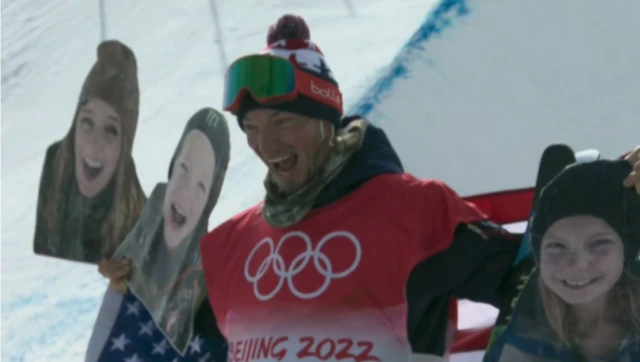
x=114 y=80
x=593 y=188
x=289 y=39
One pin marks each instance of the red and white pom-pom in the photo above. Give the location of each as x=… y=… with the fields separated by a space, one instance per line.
x=288 y=27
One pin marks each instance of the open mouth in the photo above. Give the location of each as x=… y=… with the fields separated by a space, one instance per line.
x=580 y=284
x=285 y=164
x=91 y=168
x=178 y=217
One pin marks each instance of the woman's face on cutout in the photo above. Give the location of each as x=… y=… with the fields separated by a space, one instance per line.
x=188 y=188
x=97 y=143
x=581 y=258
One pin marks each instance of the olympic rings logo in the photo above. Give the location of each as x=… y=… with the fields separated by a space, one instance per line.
x=321 y=262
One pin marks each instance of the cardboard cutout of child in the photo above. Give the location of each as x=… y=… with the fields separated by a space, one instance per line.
x=582 y=303
x=89 y=196
x=164 y=247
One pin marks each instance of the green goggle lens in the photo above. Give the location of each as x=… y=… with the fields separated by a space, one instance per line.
x=263 y=76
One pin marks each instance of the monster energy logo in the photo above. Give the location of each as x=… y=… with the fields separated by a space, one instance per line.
x=213 y=118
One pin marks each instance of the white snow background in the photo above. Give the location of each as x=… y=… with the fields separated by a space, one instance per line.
x=182 y=48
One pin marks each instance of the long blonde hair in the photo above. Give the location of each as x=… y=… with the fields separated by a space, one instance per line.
x=127 y=203
x=623 y=305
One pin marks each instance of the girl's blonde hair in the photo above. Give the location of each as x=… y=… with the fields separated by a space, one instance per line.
x=623 y=304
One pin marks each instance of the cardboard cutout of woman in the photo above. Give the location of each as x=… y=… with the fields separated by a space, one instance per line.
x=583 y=301
x=89 y=196
x=164 y=244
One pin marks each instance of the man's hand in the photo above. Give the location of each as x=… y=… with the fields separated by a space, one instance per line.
x=117 y=272
x=634 y=177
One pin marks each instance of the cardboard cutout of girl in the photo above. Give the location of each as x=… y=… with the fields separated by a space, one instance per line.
x=583 y=301
x=164 y=244
x=89 y=196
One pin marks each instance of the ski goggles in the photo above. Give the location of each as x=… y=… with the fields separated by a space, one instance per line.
x=271 y=80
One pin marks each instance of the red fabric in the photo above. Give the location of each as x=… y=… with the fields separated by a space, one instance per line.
x=452 y=330
x=261 y=280
x=506 y=206
x=509 y=206
x=468 y=340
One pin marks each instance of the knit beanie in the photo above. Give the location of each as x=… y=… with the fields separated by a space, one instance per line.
x=289 y=38
x=595 y=189
x=113 y=79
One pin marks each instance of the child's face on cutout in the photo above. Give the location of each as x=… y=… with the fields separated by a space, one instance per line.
x=97 y=144
x=188 y=188
x=581 y=259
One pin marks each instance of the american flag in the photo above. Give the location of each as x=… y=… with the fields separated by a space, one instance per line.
x=135 y=338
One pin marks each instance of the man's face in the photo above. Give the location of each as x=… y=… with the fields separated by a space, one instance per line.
x=292 y=146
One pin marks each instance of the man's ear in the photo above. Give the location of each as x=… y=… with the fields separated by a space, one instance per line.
x=325 y=129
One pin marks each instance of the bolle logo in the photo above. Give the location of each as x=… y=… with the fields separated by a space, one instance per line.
x=321 y=262
x=328 y=93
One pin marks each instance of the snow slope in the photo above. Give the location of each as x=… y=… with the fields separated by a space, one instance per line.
x=484 y=86
x=49 y=306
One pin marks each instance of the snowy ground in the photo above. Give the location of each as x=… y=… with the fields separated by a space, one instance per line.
x=470 y=71
x=48 y=306
x=485 y=86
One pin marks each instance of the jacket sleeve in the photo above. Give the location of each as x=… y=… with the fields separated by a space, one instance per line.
x=205 y=322
x=206 y=327
x=473 y=266
x=211 y=248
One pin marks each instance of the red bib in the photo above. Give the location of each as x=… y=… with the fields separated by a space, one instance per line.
x=330 y=288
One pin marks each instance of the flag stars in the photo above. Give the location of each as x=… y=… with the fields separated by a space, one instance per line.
x=133 y=308
x=146 y=328
x=133 y=358
x=195 y=344
x=119 y=343
x=160 y=348
x=140 y=339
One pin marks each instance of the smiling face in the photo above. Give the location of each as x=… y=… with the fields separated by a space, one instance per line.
x=293 y=147
x=188 y=189
x=581 y=259
x=98 y=143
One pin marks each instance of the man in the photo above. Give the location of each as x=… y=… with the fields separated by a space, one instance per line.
x=347 y=252
x=345 y=245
